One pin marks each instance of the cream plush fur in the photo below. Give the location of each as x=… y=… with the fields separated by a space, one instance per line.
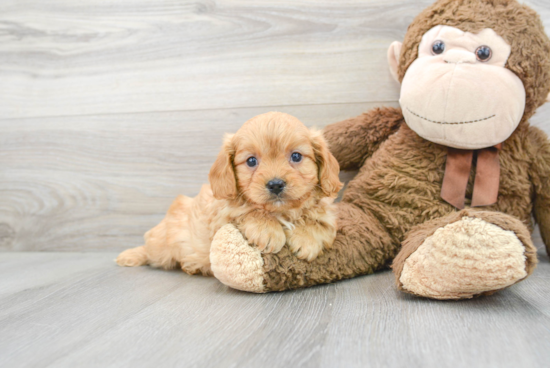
x=234 y=262
x=464 y=258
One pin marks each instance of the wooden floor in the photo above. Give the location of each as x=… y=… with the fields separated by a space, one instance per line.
x=81 y=310
x=110 y=109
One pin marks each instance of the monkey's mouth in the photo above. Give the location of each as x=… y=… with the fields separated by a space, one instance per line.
x=450 y=123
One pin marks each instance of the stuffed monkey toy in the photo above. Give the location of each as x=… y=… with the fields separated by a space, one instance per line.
x=448 y=184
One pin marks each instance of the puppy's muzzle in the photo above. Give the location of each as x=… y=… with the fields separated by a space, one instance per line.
x=275 y=186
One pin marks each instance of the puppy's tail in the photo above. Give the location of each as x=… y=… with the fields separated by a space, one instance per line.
x=133 y=257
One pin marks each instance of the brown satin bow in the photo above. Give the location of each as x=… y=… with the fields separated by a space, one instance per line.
x=457 y=173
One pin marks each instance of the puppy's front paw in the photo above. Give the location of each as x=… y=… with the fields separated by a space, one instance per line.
x=305 y=246
x=309 y=241
x=268 y=240
x=264 y=231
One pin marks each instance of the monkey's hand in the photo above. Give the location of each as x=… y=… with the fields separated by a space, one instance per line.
x=353 y=140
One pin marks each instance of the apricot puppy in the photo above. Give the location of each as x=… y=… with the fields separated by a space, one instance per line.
x=274 y=179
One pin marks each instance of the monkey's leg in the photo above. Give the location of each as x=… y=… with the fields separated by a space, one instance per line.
x=465 y=254
x=354 y=252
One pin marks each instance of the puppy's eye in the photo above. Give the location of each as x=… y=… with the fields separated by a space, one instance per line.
x=296 y=157
x=251 y=162
x=438 y=47
x=484 y=53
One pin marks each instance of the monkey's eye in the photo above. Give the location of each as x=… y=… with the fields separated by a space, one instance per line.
x=484 y=53
x=296 y=157
x=251 y=162
x=438 y=47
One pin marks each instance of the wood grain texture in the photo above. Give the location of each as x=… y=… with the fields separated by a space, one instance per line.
x=100 y=105
x=109 y=109
x=71 y=309
x=63 y=57
x=99 y=182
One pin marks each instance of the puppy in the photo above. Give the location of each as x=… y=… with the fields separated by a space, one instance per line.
x=274 y=179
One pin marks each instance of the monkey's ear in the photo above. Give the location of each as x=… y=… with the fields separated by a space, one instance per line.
x=393 y=58
x=222 y=175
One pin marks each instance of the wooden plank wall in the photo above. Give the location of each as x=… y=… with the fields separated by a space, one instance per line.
x=109 y=109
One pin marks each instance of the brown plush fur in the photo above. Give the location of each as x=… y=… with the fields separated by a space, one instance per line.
x=345 y=259
x=355 y=139
x=302 y=215
x=397 y=190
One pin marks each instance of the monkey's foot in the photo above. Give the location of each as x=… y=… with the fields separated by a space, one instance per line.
x=463 y=259
x=235 y=263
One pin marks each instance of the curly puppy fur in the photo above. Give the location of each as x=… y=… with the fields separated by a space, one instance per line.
x=301 y=215
x=397 y=190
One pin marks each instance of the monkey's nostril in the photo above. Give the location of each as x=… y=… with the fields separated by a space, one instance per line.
x=276 y=186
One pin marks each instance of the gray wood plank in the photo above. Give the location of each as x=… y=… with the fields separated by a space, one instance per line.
x=99 y=182
x=408 y=331
x=105 y=315
x=67 y=58
x=63 y=57
x=34 y=270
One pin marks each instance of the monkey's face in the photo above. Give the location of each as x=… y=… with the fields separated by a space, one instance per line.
x=458 y=92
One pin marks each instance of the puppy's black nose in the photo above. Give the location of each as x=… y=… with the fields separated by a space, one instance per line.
x=276 y=186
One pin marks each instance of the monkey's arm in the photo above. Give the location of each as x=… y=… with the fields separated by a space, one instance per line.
x=353 y=140
x=540 y=175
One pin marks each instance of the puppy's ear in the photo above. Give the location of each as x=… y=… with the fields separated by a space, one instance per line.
x=222 y=175
x=327 y=164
